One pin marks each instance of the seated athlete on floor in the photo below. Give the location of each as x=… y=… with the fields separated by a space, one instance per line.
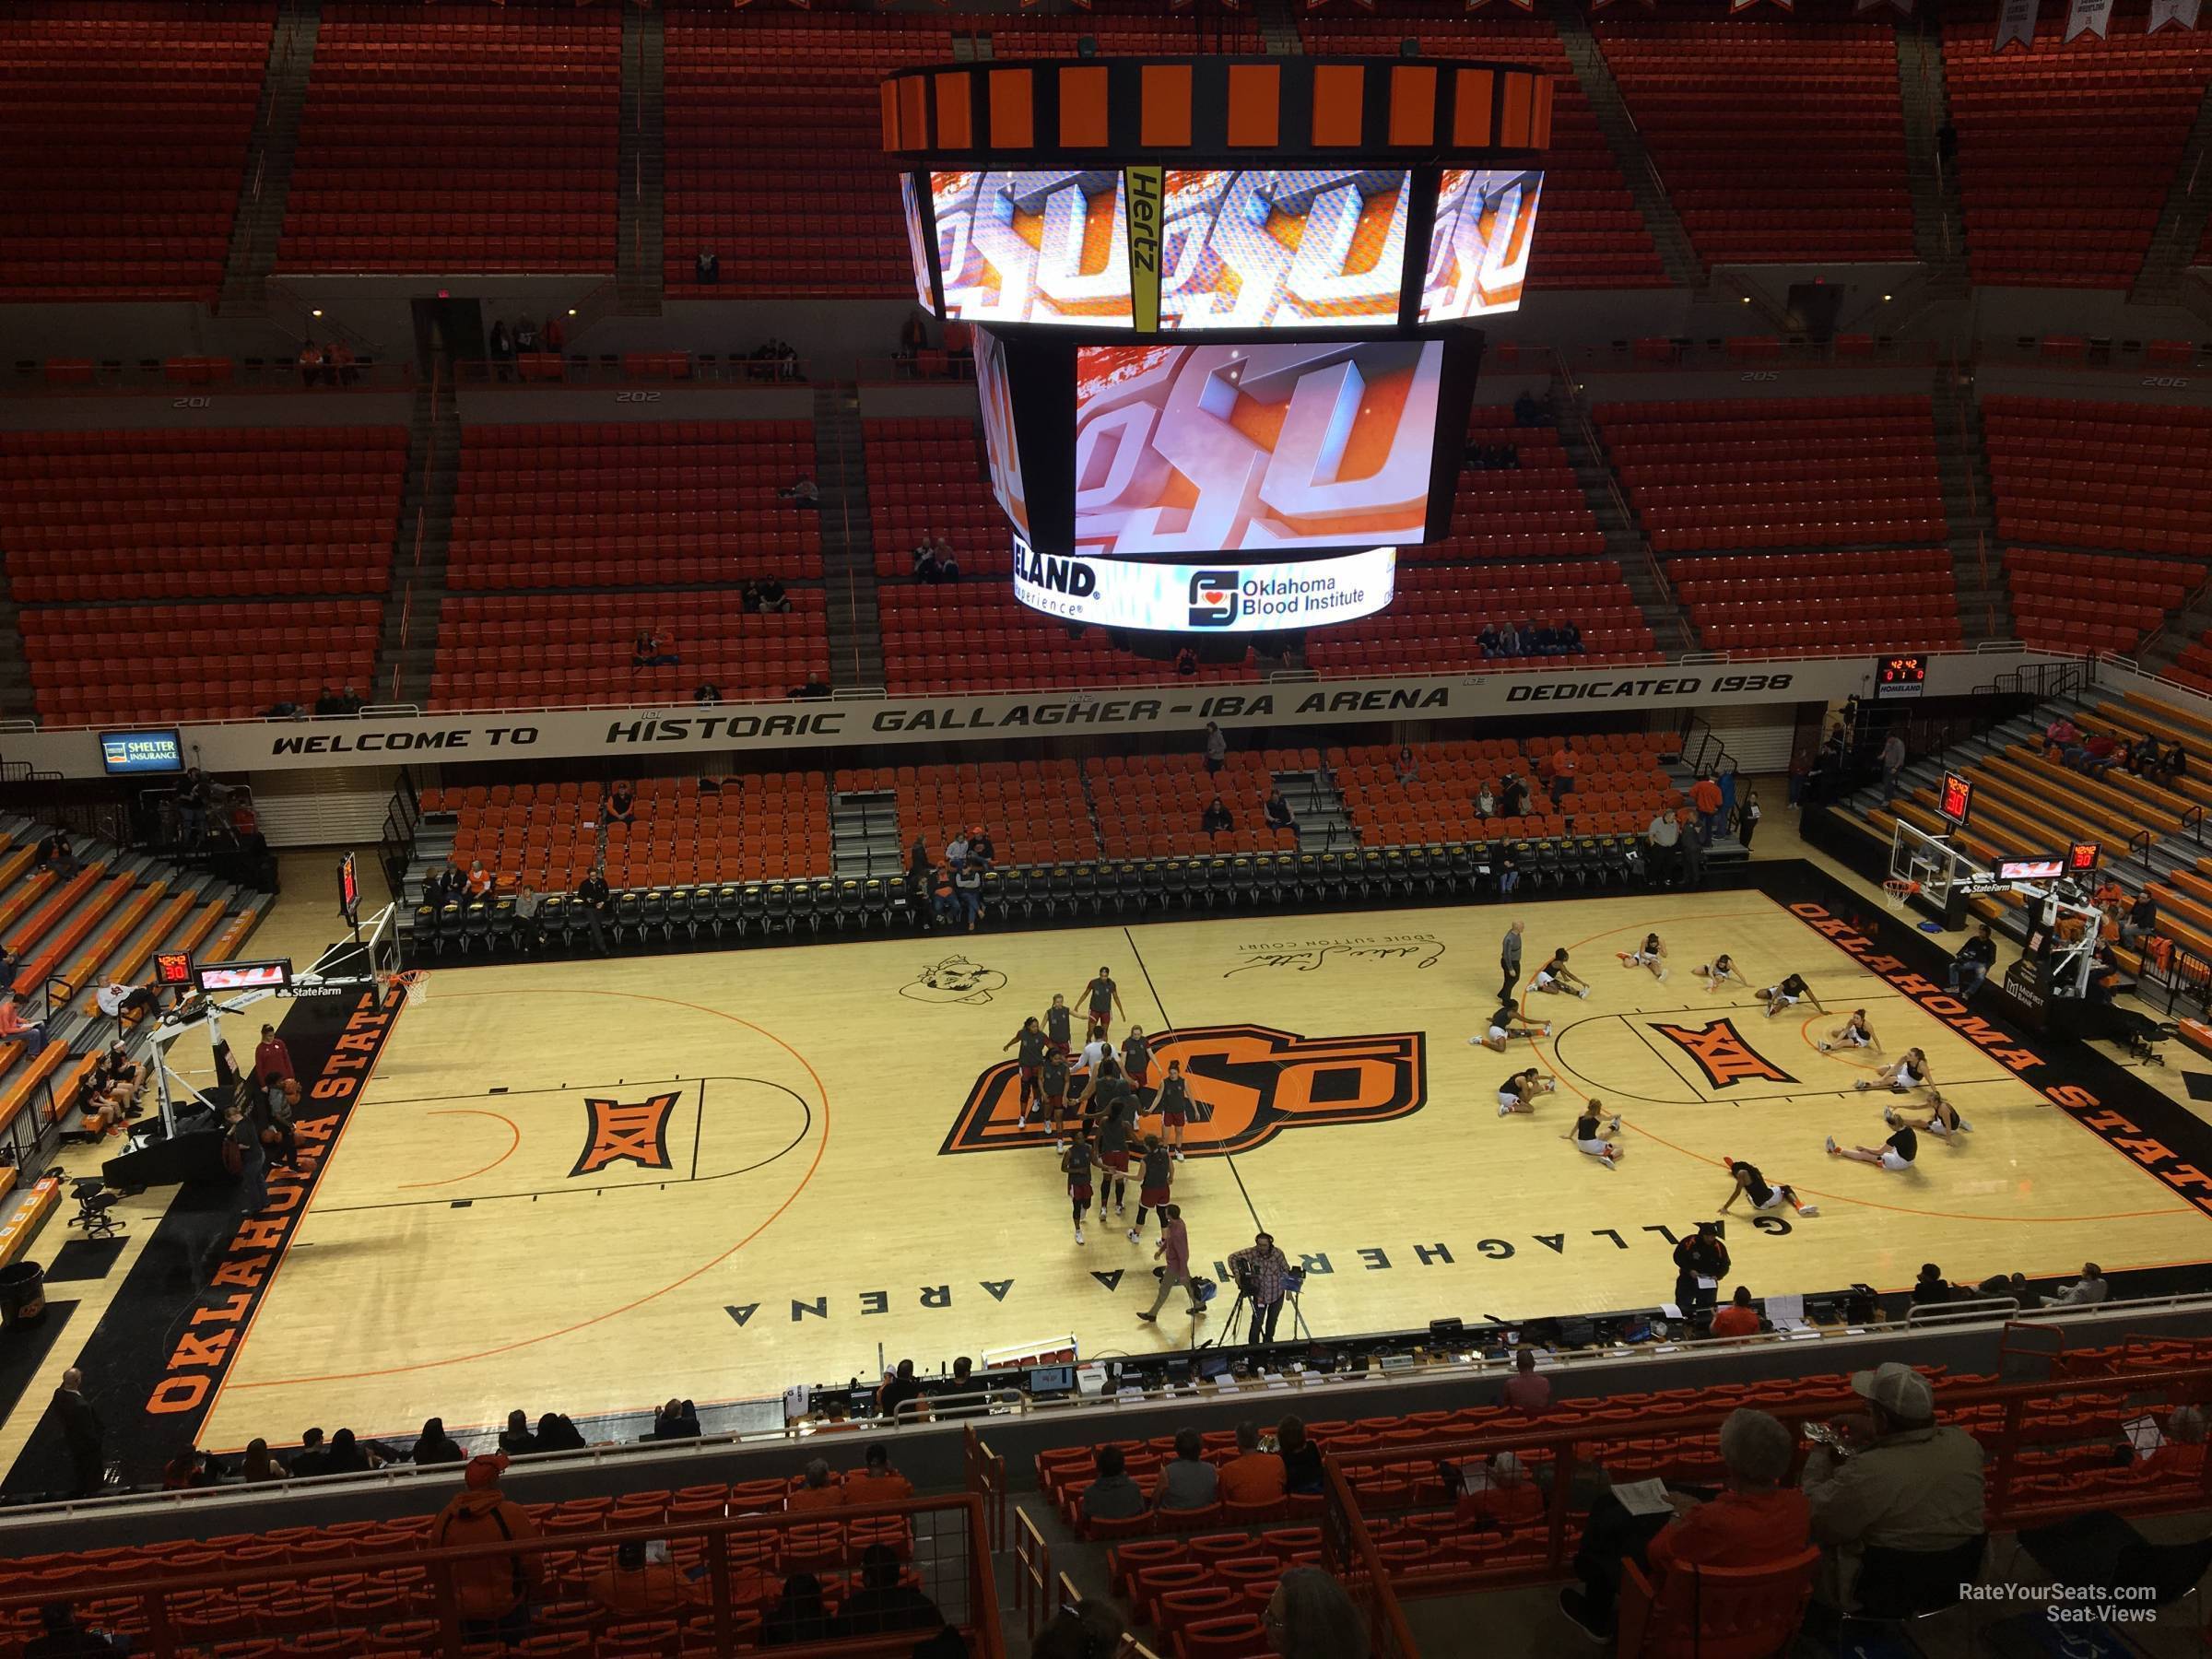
x=1943 y=1120
x=1854 y=1033
x=1506 y=1024
x=1788 y=995
x=1895 y=1155
x=1518 y=1092
x=1555 y=978
x=1651 y=954
x=1591 y=1132
x=1747 y=1182
x=1908 y=1071
x=1721 y=969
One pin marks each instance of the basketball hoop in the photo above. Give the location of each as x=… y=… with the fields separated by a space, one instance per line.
x=1899 y=893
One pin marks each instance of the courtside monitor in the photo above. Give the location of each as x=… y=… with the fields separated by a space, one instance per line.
x=2041 y=867
x=223 y=978
x=1957 y=799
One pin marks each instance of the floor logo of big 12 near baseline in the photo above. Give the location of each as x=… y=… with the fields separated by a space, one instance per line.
x=1248 y=1084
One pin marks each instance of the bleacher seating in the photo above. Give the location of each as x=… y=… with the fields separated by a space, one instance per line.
x=2084 y=601
x=465 y=140
x=926 y=478
x=2117 y=475
x=1589 y=231
x=2082 y=216
x=126 y=126
x=1619 y=786
x=1432 y=623
x=1034 y=810
x=625 y=503
x=1898 y=598
x=1148 y=805
x=974 y=636
x=182 y=514
x=1534 y=508
x=1779 y=141
x=124 y=662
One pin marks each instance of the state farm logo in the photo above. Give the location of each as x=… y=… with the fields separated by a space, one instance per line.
x=1248 y=1084
x=1723 y=1055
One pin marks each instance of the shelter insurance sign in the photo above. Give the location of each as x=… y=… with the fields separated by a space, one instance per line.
x=1222 y=596
x=264 y=746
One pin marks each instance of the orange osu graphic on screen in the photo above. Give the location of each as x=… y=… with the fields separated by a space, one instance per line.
x=618 y=1131
x=1723 y=1055
x=1248 y=1084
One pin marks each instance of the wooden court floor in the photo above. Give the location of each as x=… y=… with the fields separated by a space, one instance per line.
x=589 y=1185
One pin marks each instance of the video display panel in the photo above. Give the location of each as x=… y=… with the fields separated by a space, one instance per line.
x=917 y=245
x=1034 y=247
x=1311 y=248
x=1486 y=223
x=1002 y=449
x=1215 y=448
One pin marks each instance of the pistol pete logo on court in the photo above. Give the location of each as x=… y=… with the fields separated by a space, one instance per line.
x=1248 y=1084
x=620 y=1132
x=1723 y=1055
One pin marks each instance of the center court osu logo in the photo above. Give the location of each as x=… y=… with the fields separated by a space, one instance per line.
x=617 y=1131
x=1248 y=1084
x=1723 y=1055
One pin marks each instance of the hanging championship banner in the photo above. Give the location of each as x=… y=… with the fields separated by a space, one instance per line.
x=2088 y=17
x=2016 y=24
x=2163 y=12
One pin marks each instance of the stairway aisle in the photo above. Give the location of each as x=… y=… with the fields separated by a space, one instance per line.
x=1938 y=215
x=1323 y=823
x=840 y=469
x=640 y=219
x=1624 y=543
x=2181 y=226
x=268 y=174
x=864 y=833
x=1969 y=509
x=407 y=647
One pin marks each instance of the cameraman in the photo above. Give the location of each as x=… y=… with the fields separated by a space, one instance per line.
x=1262 y=1273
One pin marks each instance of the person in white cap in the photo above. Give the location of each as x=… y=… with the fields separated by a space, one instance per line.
x=1898 y=1481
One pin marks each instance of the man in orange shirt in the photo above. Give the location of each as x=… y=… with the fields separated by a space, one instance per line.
x=816 y=1492
x=1705 y=796
x=878 y=1482
x=1739 y=1318
x=1754 y=1519
x=635 y=1587
x=1252 y=1476
x=493 y=1592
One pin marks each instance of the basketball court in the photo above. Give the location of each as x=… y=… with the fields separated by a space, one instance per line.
x=589 y=1185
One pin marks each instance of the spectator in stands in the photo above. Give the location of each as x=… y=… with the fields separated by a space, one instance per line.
x=341 y=371
x=1111 y=1495
x=1893 y=760
x=1527 y=411
x=767 y=596
x=259 y=1465
x=1705 y=796
x=1301 y=1455
x=800 y=1615
x=479 y=879
x=1187 y=1481
x=1564 y=764
x=433 y=1445
x=1527 y=1391
x=1930 y=1287
x=1501 y=1494
x=675 y=1419
x=493 y=1591
x=1972 y=964
x=638 y=1585
x=913 y=337
x=553 y=337
x=967 y=888
x=1278 y=811
x=2141 y=919
x=56 y=853
x=802 y=492
x=190 y=1471
x=1700 y=1261
x=1753 y=1520
x=815 y=1491
x=884 y=1602
x=14 y=1027
x=982 y=851
x=502 y=347
x=2174 y=764
x=2084 y=1292
x=556 y=1433
x=1216 y=818
x=945 y=900
x=622 y=800
x=1747 y=817
x=61 y=1636
x=592 y=895
x=706 y=694
x=816 y=687
x=311 y=1456
x=1739 y=1318
x=525 y=337
x=1905 y=1484
x=347 y=1456
x=1311 y=1617
x=311 y=363
x=1186 y=662
x=1252 y=1476
x=1571 y=639
x=1089 y=1629
x=515 y=1440
x=1512 y=799
x=926 y=560
x=651 y=651
x=2060 y=736
x=706 y=266
x=2098 y=755
x=1485 y=804
x=2182 y=1452
x=2141 y=757
x=1216 y=748
x=877 y=1482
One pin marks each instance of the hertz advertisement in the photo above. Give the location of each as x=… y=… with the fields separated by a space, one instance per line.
x=1177 y=250
x=1197 y=448
x=1222 y=596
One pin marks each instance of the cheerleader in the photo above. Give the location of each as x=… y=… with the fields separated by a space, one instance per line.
x=1651 y=953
